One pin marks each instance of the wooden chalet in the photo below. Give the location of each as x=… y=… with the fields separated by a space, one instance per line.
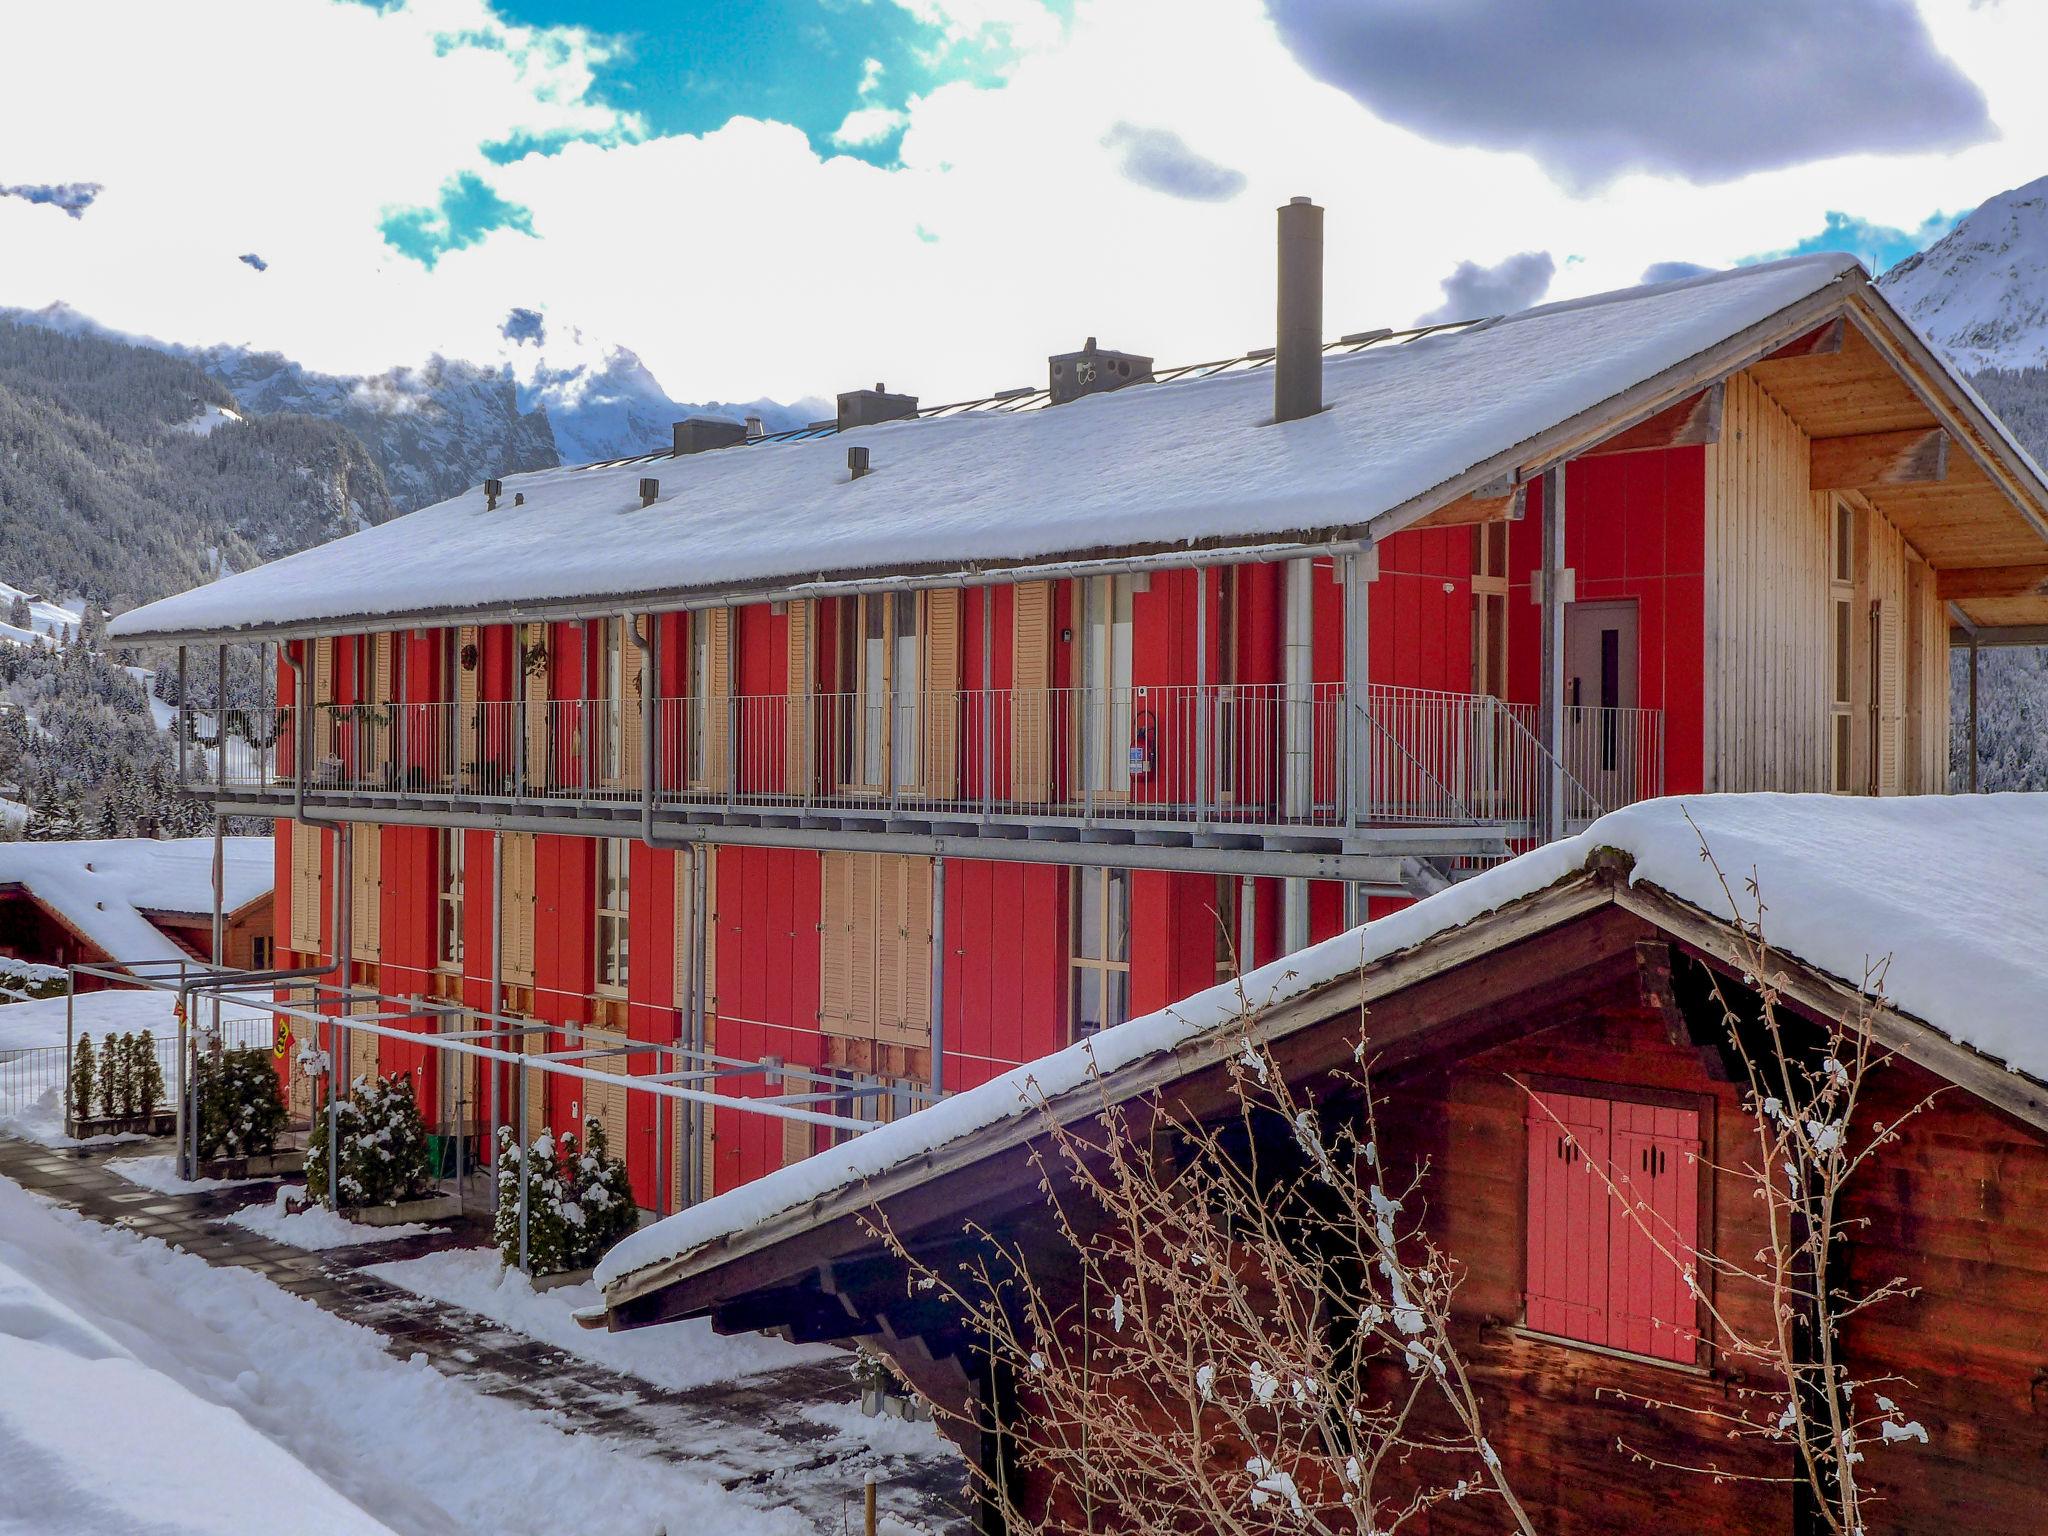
x=838 y=770
x=1583 y=970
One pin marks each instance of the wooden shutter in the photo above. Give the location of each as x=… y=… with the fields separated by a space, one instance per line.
x=905 y=957
x=717 y=706
x=530 y=1038
x=941 y=694
x=304 y=917
x=516 y=868
x=835 y=942
x=604 y=1102
x=468 y=749
x=799 y=768
x=366 y=892
x=321 y=705
x=632 y=732
x=798 y=1141
x=1888 y=697
x=1567 y=1238
x=1650 y=1311
x=365 y=1050
x=380 y=768
x=298 y=1087
x=1030 y=698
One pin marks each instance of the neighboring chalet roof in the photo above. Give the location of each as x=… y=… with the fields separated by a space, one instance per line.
x=1413 y=423
x=1953 y=889
x=102 y=887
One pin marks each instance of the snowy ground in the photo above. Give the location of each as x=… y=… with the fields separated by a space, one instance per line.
x=183 y=1400
x=674 y=1356
x=121 y=1010
x=41 y=1120
x=314 y=1228
x=159 y=1171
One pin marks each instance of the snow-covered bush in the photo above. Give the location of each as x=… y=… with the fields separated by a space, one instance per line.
x=84 y=1075
x=547 y=1232
x=578 y=1202
x=240 y=1109
x=383 y=1158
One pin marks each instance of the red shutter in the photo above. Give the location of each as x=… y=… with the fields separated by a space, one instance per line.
x=1594 y=1273
x=1655 y=1153
x=1568 y=1226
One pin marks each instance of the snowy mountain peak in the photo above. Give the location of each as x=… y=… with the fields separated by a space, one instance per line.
x=1980 y=293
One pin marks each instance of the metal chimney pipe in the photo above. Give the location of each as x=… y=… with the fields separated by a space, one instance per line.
x=1298 y=357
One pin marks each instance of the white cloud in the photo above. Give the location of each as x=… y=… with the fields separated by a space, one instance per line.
x=869 y=125
x=742 y=263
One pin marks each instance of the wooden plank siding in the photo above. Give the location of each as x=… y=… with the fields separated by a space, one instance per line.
x=1767 y=655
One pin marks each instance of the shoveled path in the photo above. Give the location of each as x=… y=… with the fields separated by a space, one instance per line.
x=750 y=1434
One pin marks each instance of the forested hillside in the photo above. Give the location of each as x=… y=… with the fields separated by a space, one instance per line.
x=2012 y=684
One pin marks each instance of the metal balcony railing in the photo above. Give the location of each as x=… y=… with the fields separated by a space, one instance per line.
x=1216 y=755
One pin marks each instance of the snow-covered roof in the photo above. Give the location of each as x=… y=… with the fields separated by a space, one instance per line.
x=1954 y=889
x=1150 y=467
x=102 y=886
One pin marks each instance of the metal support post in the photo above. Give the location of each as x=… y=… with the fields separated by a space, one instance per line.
x=1550 y=721
x=525 y=1159
x=939 y=977
x=1204 y=705
x=497 y=989
x=71 y=1110
x=337 y=1032
x=1973 y=712
x=1298 y=694
x=1357 y=572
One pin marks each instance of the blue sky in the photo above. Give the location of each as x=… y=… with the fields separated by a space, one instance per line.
x=785 y=197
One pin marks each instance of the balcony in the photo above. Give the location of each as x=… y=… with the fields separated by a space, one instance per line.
x=1234 y=769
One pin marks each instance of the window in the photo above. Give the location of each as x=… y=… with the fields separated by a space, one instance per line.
x=611 y=693
x=448 y=905
x=1842 y=650
x=1104 y=699
x=881 y=662
x=1593 y=1275
x=1101 y=949
x=262 y=952
x=614 y=856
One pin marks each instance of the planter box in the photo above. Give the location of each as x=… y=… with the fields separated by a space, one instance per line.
x=555 y=1282
x=161 y=1122
x=433 y=1208
x=258 y=1165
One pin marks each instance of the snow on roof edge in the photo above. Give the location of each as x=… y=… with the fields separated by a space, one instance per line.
x=1836 y=876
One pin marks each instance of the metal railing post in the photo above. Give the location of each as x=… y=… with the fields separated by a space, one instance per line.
x=525 y=1158
x=1204 y=770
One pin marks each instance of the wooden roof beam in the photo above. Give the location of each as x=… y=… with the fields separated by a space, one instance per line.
x=1825 y=341
x=1916 y=456
x=1692 y=422
x=1959 y=584
x=1499 y=502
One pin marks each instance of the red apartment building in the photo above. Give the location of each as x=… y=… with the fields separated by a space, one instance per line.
x=906 y=748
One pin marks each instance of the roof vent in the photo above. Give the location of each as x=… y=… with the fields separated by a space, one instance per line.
x=755 y=431
x=700 y=433
x=493 y=489
x=1093 y=371
x=650 y=491
x=857 y=461
x=865 y=407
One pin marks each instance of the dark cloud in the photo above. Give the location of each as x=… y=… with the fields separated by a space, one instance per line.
x=1160 y=159
x=1473 y=292
x=74 y=197
x=251 y=259
x=1594 y=89
x=524 y=325
x=1672 y=271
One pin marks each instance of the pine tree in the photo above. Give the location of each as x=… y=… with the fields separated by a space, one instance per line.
x=129 y=1084
x=547 y=1232
x=240 y=1109
x=113 y=1071
x=84 y=1077
x=19 y=614
x=601 y=1195
x=149 y=1074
